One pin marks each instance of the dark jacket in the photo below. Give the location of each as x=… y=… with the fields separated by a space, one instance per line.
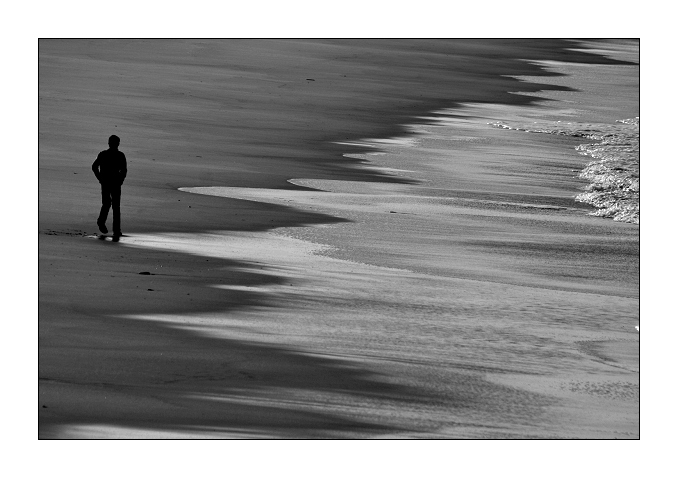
x=110 y=167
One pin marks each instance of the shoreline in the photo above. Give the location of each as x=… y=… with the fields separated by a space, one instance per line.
x=200 y=135
x=246 y=282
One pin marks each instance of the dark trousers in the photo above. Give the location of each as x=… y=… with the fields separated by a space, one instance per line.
x=110 y=196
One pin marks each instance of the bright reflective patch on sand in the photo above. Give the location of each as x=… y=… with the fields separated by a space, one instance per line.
x=247 y=288
x=377 y=142
x=302 y=399
x=254 y=248
x=299 y=273
x=342 y=198
x=117 y=432
x=220 y=326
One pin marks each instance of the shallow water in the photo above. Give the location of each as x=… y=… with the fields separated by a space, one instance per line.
x=481 y=287
x=614 y=175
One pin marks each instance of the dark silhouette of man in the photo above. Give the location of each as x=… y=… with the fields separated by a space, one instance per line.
x=110 y=168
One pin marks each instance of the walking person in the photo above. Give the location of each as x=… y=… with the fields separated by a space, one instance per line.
x=110 y=168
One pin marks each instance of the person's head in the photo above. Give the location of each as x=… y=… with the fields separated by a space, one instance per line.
x=113 y=142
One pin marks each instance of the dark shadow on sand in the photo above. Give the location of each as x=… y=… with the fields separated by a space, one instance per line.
x=98 y=368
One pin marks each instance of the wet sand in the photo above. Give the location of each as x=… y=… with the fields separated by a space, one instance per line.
x=300 y=285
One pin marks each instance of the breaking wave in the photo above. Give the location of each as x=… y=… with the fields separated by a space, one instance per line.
x=614 y=173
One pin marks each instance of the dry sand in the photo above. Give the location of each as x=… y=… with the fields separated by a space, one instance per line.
x=319 y=284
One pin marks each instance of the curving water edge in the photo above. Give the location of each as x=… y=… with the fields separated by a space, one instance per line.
x=614 y=175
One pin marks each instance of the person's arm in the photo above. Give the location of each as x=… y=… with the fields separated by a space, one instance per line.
x=95 y=168
x=123 y=168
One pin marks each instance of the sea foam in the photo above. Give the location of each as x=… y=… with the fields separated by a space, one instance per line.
x=614 y=175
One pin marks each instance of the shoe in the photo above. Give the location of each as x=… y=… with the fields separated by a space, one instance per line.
x=102 y=227
x=117 y=233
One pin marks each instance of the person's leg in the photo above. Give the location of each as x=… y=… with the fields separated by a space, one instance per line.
x=115 y=198
x=105 y=206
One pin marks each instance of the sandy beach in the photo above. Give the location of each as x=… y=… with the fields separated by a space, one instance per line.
x=330 y=239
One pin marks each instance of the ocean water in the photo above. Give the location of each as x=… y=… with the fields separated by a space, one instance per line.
x=614 y=173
